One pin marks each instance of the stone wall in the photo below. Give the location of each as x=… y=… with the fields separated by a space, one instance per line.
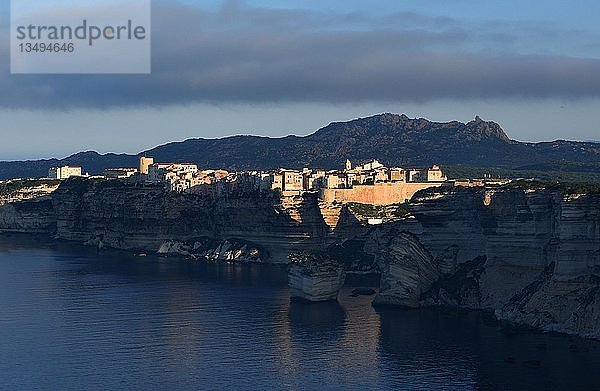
x=377 y=194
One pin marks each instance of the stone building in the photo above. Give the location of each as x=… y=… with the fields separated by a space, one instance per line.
x=292 y=180
x=64 y=172
x=435 y=174
x=145 y=163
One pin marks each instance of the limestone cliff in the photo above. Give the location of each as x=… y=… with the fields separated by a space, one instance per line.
x=141 y=217
x=26 y=206
x=17 y=190
x=34 y=216
x=407 y=268
x=579 y=235
x=530 y=254
x=229 y=250
x=555 y=304
x=144 y=217
x=315 y=277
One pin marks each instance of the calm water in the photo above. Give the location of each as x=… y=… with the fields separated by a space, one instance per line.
x=71 y=320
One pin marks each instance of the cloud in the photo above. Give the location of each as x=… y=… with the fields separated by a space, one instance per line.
x=242 y=54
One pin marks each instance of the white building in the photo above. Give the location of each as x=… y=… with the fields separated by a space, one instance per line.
x=158 y=172
x=435 y=174
x=64 y=172
x=370 y=166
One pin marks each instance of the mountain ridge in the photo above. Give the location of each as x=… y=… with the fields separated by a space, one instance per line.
x=392 y=138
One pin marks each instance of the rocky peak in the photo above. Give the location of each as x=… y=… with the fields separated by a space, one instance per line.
x=417 y=129
x=479 y=130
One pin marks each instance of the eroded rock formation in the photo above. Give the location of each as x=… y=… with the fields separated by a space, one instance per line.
x=529 y=254
x=230 y=250
x=145 y=217
x=407 y=269
x=315 y=277
x=33 y=216
x=26 y=206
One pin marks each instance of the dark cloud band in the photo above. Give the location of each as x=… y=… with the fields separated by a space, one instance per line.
x=240 y=54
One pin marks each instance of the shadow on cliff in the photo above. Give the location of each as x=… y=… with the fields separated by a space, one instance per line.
x=308 y=218
x=348 y=225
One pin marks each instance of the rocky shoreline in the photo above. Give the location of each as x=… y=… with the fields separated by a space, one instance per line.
x=528 y=253
x=530 y=256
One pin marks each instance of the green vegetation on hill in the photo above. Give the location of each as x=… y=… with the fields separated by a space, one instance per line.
x=10 y=187
x=564 y=187
x=580 y=188
x=563 y=166
x=464 y=172
x=387 y=212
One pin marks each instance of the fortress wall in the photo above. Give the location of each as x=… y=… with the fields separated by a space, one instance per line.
x=378 y=194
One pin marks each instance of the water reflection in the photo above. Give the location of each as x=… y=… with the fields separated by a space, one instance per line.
x=456 y=350
x=74 y=319
x=331 y=345
x=308 y=319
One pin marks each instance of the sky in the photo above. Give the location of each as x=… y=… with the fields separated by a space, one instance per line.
x=292 y=66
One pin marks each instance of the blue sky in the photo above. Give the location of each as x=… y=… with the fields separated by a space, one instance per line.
x=280 y=67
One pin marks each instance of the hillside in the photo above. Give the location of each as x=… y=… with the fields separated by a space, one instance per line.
x=393 y=139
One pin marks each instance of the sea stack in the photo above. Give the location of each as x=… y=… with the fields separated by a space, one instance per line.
x=315 y=277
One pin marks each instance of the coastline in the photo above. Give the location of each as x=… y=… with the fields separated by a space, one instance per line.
x=525 y=252
x=26 y=240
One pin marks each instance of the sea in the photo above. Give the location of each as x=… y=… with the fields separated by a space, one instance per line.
x=72 y=318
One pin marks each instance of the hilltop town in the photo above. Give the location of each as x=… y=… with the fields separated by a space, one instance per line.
x=370 y=182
